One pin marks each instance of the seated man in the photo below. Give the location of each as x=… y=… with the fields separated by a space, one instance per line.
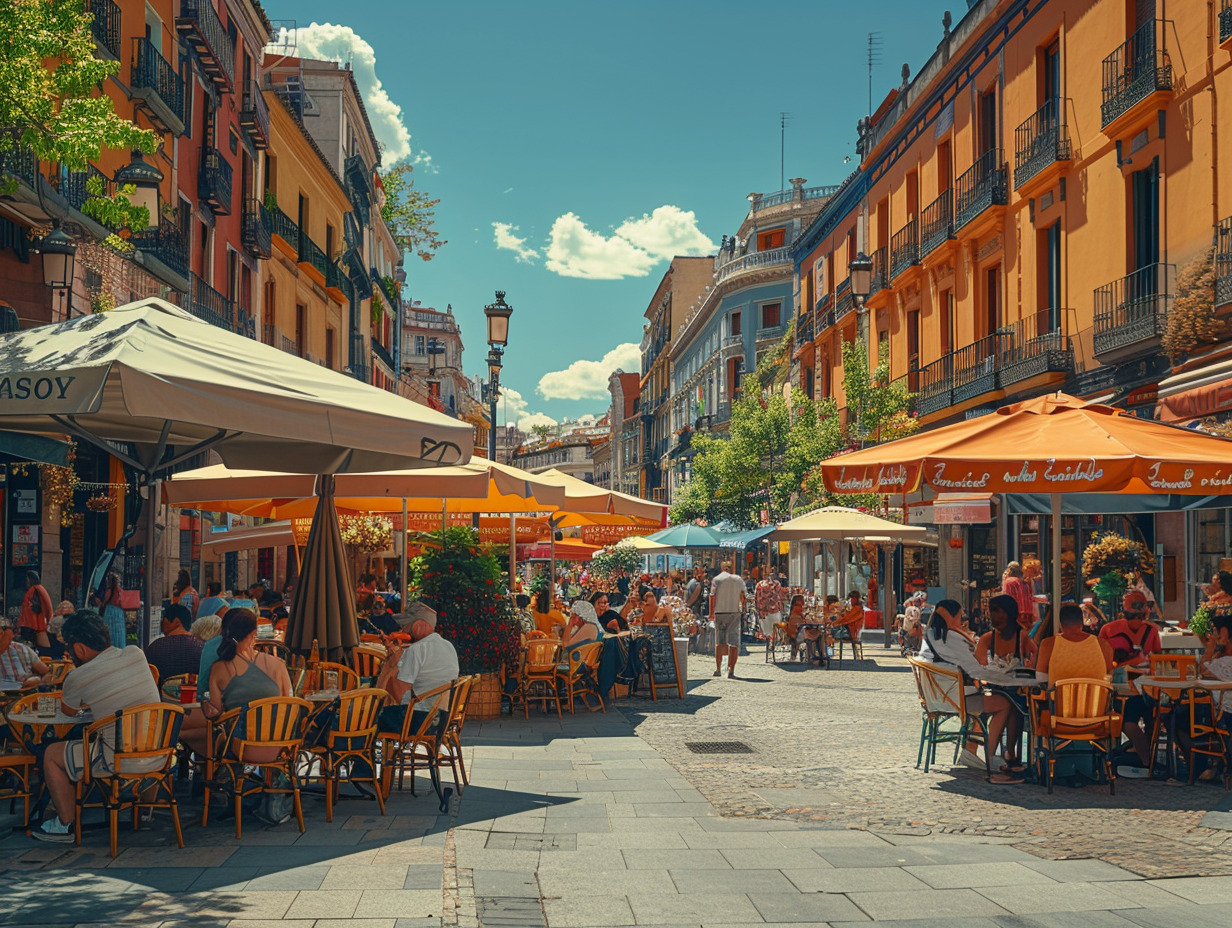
x=18 y=661
x=214 y=600
x=1133 y=640
x=847 y=624
x=428 y=662
x=106 y=680
x=177 y=651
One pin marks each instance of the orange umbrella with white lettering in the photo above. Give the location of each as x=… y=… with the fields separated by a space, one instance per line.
x=1051 y=444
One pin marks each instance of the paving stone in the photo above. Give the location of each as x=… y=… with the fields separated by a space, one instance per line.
x=1060 y=897
x=805 y=907
x=564 y=881
x=769 y=858
x=237 y=905
x=1065 y=920
x=674 y=859
x=399 y=903
x=719 y=908
x=731 y=881
x=924 y=903
x=296 y=878
x=1078 y=871
x=873 y=857
x=587 y=910
x=970 y=876
x=1218 y=915
x=852 y=879
x=506 y=883
x=164 y=879
x=324 y=903
x=820 y=839
x=1211 y=889
x=352 y=876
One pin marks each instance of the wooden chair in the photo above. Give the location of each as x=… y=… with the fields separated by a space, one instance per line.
x=580 y=678
x=367 y=663
x=351 y=740
x=278 y=650
x=539 y=672
x=435 y=749
x=1206 y=734
x=1166 y=702
x=154 y=673
x=141 y=742
x=276 y=724
x=398 y=747
x=943 y=696
x=170 y=687
x=348 y=679
x=17 y=763
x=778 y=641
x=1079 y=711
x=57 y=671
x=453 y=733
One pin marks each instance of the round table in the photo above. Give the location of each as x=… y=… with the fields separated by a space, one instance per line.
x=36 y=731
x=322 y=696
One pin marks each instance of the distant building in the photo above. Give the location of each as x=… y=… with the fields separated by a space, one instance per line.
x=625 y=432
x=573 y=457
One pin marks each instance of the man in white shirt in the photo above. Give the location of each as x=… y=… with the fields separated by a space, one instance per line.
x=730 y=597
x=428 y=662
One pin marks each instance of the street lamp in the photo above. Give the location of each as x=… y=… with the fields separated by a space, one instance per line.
x=146 y=178
x=861 y=268
x=59 y=256
x=498 y=314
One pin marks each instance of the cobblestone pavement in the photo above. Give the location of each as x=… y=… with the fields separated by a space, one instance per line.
x=839 y=747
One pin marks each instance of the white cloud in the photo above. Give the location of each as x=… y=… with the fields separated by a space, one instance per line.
x=588 y=379
x=514 y=408
x=325 y=41
x=424 y=162
x=503 y=234
x=636 y=246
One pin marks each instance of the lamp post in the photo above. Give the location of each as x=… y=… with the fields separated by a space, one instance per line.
x=59 y=257
x=498 y=314
x=146 y=178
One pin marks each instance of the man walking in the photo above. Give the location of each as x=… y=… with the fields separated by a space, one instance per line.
x=730 y=597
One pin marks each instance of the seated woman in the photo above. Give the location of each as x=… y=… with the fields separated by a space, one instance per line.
x=609 y=619
x=242 y=674
x=944 y=645
x=647 y=611
x=583 y=627
x=847 y=624
x=802 y=637
x=1008 y=647
x=546 y=613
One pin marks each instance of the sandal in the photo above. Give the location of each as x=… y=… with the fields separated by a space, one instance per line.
x=1005 y=779
x=1013 y=768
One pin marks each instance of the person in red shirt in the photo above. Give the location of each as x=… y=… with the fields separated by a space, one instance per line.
x=1013 y=584
x=1133 y=640
x=35 y=612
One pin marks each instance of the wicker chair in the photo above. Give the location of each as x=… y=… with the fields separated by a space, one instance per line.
x=367 y=663
x=943 y=698
x=140 y=737
x=1078 y=711
x=348 y=679
x=351 y=739
x=580 y=676
x=398 y=748
x=539 y=672
x=17 y=763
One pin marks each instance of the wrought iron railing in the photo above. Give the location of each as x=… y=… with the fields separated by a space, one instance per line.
x=937 y=223
x=732 y=344
x=154 y=73
x=1225 y=21
x=357 y=176
x=1132 y=312
x=905 y=248
x=289 y=345
x=208 y=304
x=936 y=384
x=804 y=329
x=336 y=277
x=106 y=24
x=1223 y=258
x=1136 y=69
x=20 y=164
x=844 y=299
x=752 y=261
x=165 y=243
x=786 y=196
x=880 y=278
x=1033 y=345
x=1041 y=140
x=381 y=352
x=255 y=115
x=310 y=254
x=198 y=22
x=284 y=227
x=214 y=181
x=74 y=185
x=983 y=185
x=256 y=230
x=975 y=368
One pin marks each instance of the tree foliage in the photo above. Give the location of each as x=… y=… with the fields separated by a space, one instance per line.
x=1192 y=320
x=410 y=213
x=768 y=460
x=50 y=96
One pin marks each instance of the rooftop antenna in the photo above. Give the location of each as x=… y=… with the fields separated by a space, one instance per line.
x=784 y=119
x=874 y=58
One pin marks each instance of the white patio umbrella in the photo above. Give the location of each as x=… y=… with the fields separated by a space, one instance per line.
x=153 y=386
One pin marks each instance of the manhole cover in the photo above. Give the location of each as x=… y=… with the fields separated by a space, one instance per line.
x=718 y=747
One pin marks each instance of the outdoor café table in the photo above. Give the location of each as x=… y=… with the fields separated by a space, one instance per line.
x=1176 y=688
x=819 y=641
x=35 y=732
x=1020 y=691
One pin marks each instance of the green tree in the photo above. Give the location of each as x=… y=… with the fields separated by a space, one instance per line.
x=410 y=213
x=876 y=407
x=51 y=102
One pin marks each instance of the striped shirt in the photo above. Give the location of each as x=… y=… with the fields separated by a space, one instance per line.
x=17 y=662
x=114 y=680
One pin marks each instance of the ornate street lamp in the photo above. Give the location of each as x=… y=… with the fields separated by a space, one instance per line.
x=498 y=314
x=59 y=257
x=146 y=178
x=861 y=268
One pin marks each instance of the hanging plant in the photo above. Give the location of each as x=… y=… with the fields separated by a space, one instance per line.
x=101 y=503
x=102 y=302
x=366 y=534
x=1192 y=320
x=606 y=563
x=378 y=308
x=59 y=483
x=1112 y=552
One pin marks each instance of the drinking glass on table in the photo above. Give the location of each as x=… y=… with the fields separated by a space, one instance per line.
x=331 y=681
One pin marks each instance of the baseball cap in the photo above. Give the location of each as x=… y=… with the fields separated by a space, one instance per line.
x=1134 y=601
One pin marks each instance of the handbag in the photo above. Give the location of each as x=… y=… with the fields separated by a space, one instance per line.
x=129 y=600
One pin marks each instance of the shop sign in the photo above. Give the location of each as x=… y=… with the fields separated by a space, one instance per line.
x=919 y=514
x=610 y=534
x=45 y=393
x=967 y=512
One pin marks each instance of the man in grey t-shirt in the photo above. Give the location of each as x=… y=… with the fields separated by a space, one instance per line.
x=693 y=592
x=730 y=597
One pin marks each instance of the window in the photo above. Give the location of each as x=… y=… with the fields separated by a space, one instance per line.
x=913 y=339
x=271 y=172
x=1050 y=71
x=770 y=315
x=987 y=126
x=946 y=323
x=735 y=323
x=1144 y=187
x=992 y=302
x=774 y=238
x=1049 y=304
x=301 y=328
x=945 y=166
x=268 y=314
x=421 y=345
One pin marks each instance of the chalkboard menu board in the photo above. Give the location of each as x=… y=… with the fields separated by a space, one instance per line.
x=664 y=672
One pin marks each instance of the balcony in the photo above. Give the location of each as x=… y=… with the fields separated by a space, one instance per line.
x=1131 y=313
x=20 y=164
x=757 y=260
x=732 y=345
x=783 y=197
x=936 y=383
x=381 y=353
x=285 y=228
x=975 y=369
x=880 y=279
x=209 y=305
x=164 y=245
x=271 y=335
x=804 y=329
x=983 y=186
x=1032 y=347
x=937 y=223
x=106 y=27
x=312 y=259
x=214 y=181
x=1137 y=70
x=245 y=323
x=289 y=345
x=1225 y=23
x=1041 y=141
x=201 y=28
x=73 y=185
x=905 y=248
x=825 y=314
x=156 y=82
x=358 y=179
x=1223 y=260
x=769 y=333
x=256 y=233
x=337 y=282
x=844 y=299
x=255 y=116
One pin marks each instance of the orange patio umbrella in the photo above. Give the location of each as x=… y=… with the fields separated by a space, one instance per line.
x=1053 y=444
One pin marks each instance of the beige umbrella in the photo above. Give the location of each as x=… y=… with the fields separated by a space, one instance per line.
x=270 y=535
x=645 y=545
x=839 y=523
x=586 y=497
x=323 y=609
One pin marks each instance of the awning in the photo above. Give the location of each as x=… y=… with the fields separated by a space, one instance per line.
x=1206 y=392
x=746 y=540
x=270 y=535
x=35 y=448
x=565 y=551
x=1112 y=503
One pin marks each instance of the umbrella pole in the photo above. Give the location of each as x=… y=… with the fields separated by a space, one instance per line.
x=151 y=559
x=405 y=557
x=1056 y=562
x=513 y=548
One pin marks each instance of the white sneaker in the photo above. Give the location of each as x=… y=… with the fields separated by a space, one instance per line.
x=970 y=759
x=54 y=830
x=1132 y=773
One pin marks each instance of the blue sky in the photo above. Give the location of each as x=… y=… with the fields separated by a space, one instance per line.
x=575 y=146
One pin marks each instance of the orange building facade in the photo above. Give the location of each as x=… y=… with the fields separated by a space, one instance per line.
x=1028 y=199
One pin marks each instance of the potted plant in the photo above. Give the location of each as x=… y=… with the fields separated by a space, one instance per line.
x=461 y=581
x=1110 y=561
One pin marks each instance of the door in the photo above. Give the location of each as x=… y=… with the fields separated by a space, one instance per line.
x=1052 y=71
x=1145 y=217
x=988 y=122
x=1052 y=272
